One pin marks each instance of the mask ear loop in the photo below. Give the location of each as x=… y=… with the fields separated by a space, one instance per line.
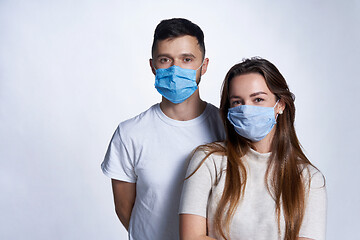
x=153 y=65
x=200 y=65
x=274 y=110
x=200 y=73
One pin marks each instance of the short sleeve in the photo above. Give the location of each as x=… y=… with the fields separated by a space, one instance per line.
x=197 y=188
x=119 y=163
x=314 y=222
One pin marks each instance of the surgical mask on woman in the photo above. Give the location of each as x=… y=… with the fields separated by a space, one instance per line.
x=252 y=122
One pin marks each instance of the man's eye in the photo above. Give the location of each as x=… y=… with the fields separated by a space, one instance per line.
x=187 y=59
x=164 y=60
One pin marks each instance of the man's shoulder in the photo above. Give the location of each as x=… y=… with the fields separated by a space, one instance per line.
x=213 y=113
x=141 y=116
x=212 y=107
x=139 y=120
x=213 y=110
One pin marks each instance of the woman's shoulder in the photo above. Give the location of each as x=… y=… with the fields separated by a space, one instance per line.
x=218 y=148
x=313 y=176
x=212 y=155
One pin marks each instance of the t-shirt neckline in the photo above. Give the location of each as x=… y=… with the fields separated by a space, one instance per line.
x=174 y=122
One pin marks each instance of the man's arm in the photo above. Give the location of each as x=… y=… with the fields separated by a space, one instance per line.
x=124 y=198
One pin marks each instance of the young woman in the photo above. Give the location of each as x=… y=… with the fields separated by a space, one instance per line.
x=258 y=184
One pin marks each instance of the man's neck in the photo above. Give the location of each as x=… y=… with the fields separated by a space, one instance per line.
x=189 y=109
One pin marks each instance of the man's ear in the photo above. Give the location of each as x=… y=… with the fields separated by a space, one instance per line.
x=204 y=66
x=152 y=66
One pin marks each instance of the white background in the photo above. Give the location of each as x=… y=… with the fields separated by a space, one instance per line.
x=70 y=71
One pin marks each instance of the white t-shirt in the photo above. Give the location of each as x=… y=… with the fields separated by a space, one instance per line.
x=153 y=150
x=255 y=217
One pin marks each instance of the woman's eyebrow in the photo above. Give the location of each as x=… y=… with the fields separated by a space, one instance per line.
x=234 y=96
x=257 y=93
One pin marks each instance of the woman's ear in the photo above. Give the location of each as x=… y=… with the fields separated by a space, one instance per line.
x=280 y=107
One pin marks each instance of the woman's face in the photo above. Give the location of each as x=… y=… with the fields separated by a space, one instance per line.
x=250 y=89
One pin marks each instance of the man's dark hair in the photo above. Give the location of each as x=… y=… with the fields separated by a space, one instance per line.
x=178 y=27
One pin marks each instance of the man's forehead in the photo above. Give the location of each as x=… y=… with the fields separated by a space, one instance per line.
x=179 y=45
x=185 y=39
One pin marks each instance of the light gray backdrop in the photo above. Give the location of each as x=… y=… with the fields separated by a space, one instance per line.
x=70 y=71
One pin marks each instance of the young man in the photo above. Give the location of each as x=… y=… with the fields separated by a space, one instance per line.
x=148 y=154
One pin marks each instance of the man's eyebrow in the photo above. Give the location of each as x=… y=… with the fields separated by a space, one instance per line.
x=182 y=55
x=257 y=93
x=188 y=55
x=163 y=55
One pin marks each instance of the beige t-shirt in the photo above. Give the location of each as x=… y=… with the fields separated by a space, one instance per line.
x=255 y=217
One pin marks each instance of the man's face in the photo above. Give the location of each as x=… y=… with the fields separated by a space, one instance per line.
x=181 y=51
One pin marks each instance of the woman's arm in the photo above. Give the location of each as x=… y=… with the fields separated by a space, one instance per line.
x=314 y=221
x=193 y=227
x=195 y=196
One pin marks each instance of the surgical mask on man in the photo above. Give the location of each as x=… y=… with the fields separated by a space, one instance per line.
x=252 y=122
x=175 y=83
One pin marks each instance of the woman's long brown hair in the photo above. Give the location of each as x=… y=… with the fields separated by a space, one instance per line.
x=283 y=176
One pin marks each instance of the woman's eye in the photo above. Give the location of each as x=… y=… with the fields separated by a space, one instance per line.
x=259 y=100
x=235 y=103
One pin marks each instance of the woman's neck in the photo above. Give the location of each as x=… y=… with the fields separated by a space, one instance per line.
x=264 y=145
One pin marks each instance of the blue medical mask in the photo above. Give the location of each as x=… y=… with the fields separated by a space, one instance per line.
x=252 y=122
x=175 y=83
